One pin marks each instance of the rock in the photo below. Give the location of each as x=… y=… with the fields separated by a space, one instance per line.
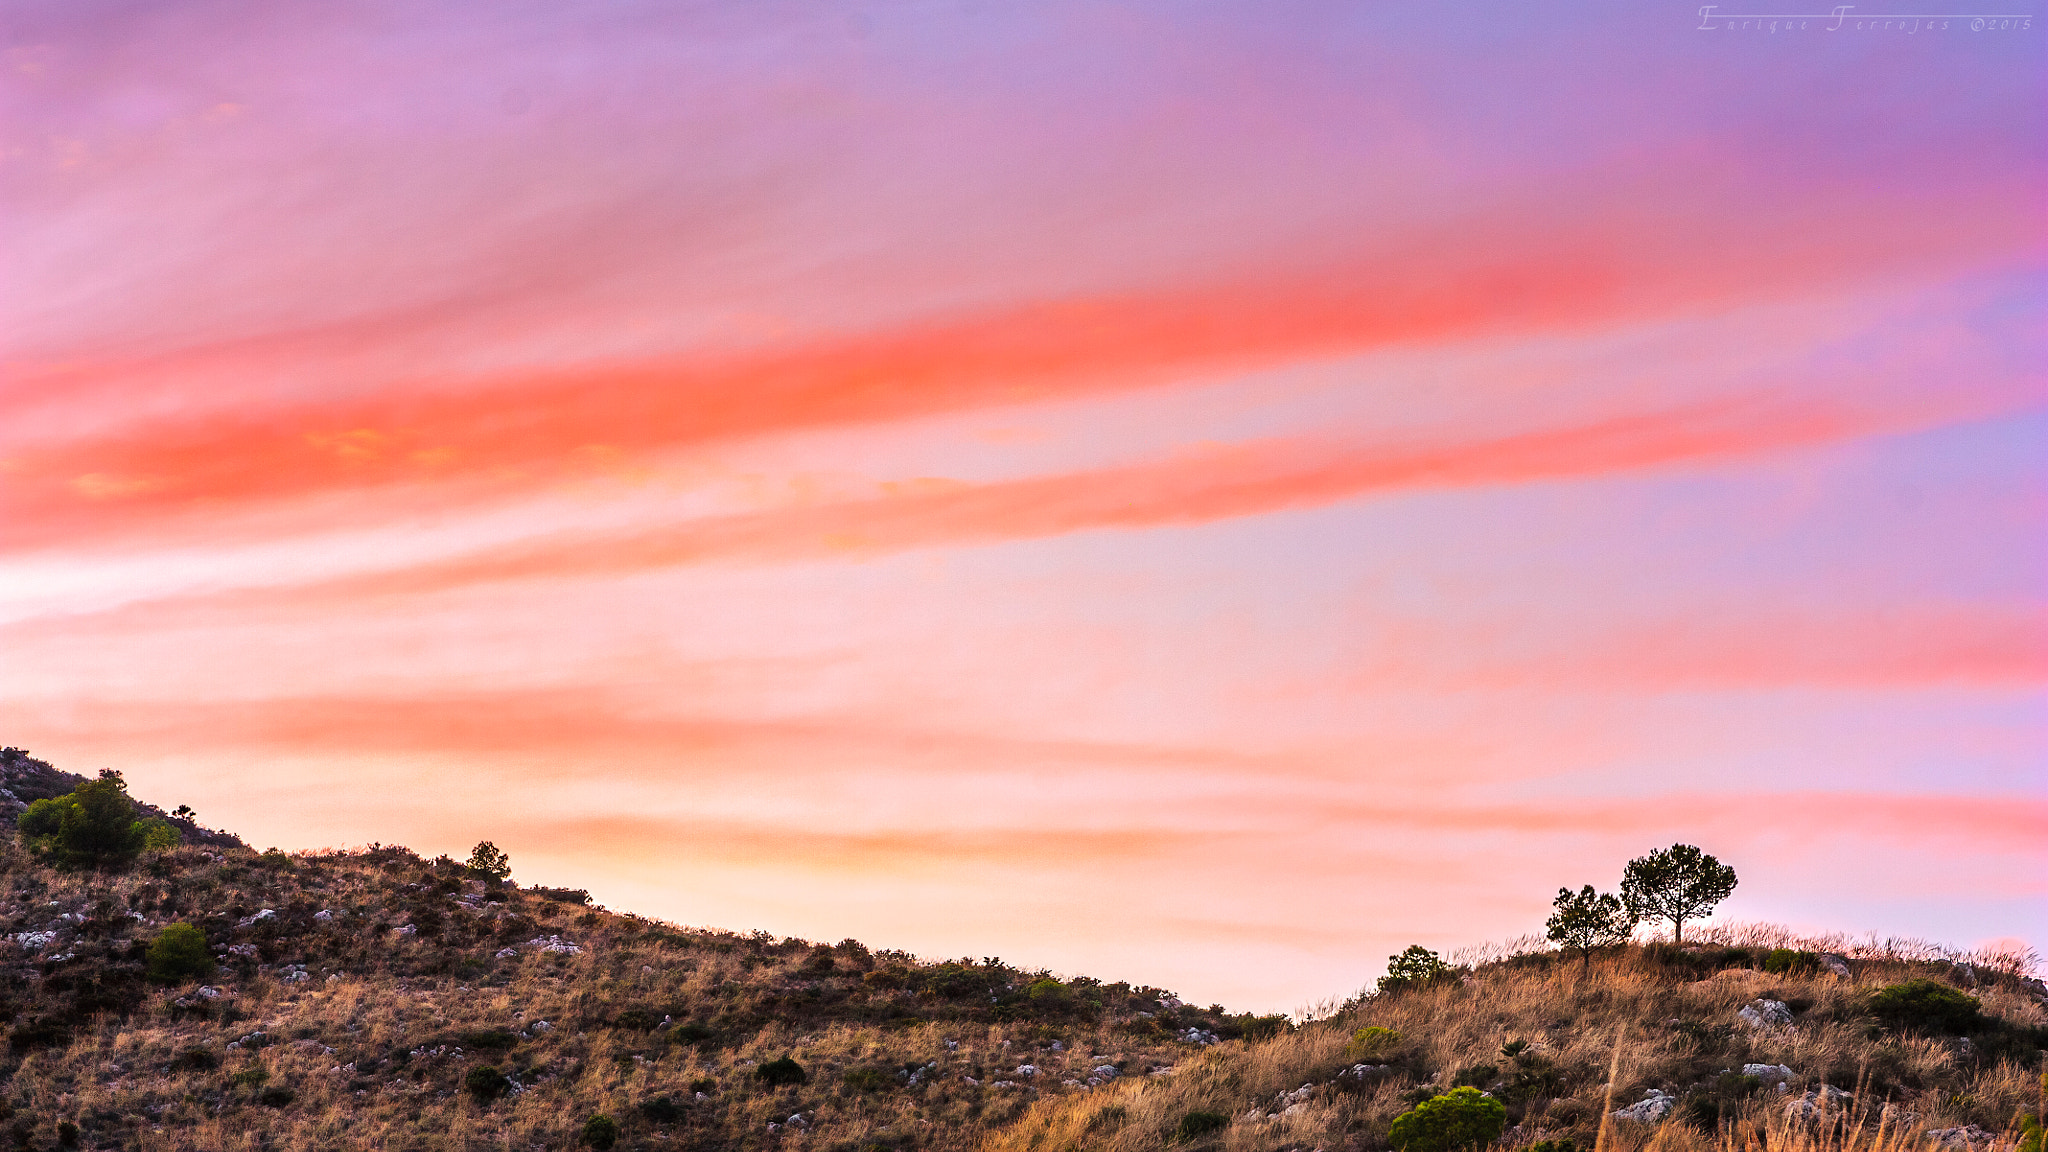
x=539 y=1026
x=1835 y=964
x=209 y=993
x=1027 y=1069
x=554 y=944
x=1967 y=1136
x=1766 y=1014
x=35 y=941
x=1106 y=1071
x=258 y=918
x=1768 y=1073
x=1198 y=1037
x=1967 y=975
x=1652 y=1109
x=507 y=953
x=408 y=930
x=325 y=916
x=1817 y=1103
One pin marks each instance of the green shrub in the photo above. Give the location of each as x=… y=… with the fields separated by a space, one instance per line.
x=488 y=1039
x=1198 y=1124
x=600 y=1131
x=1415 y=967
x=92 y=826
x=1048 y=994
x=1790 y=961
x=1927 y=1006
x=867 y=1079
x=1371 y=1043
x=485 y=1083
x=250 y=1077
x=1263 y=1027
x=179 y=954
x=781 y=1071
x=661 y=1110
x=1460 y=1118
x=689 y=1034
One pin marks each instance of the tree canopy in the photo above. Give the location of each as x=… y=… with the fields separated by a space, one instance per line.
x=1586 y=920
x=93 y=825
x=1679 y=883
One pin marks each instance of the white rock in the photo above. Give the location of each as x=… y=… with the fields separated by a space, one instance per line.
x=324 y=916
x=1027 y=1069
x=1769 y=1073
x=507 y=953
x=1964 y=1137
x=1107 y=1071
x=1835 y=964
x=1822 y=1100
x=408 y=930
x=1652 y=1109
x=258 y=918
x=1766 y=1014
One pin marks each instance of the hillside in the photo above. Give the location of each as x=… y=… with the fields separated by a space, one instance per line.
x=359 y=993
x=375 y=999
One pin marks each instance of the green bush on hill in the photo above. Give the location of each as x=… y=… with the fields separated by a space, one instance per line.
x=1927 y=1006
x=179 y=954
x=1460 y=1118
x=93 y=826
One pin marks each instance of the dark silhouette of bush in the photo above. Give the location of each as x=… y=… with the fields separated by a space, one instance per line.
x=1927 y=1006
x=1415 y=967
x=199 y=1058
x=867 y=1079
x=1790 y=961
x=600 y=1131
x=67 y=1134
x=93 y=825
x=179 y=954
x=488 y=863
x=1678 y=883
x=1198 y=1124
x=661 y=1110
x=485 y=1083
x=276 y=1097
x=1460 y=1118
x=781 y=1071
x=691 y=1033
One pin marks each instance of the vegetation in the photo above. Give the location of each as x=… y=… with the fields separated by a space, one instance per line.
x=1461 y=1118
x=1678 y=883
x=1587 y=920
x=373 y=998
x=489 y=863
x=94 y=825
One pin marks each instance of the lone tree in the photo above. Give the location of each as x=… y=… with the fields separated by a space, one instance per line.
x=487 y=861
x=1677 y=884
x=1415 y=967
x=1586 y=920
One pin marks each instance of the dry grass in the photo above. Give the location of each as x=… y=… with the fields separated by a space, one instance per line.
x=1680 y=1034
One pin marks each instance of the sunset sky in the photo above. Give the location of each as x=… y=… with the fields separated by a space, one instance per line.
x=1199 y=493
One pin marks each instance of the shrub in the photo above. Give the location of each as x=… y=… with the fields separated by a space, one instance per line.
x=198 y=1058
x=692 y=1033
x=1554 y=1146
x=1371 y=1043
x=488 y=1039
x=1415 y=967
x=485 y=1083
x=93 y=826
x=1927 y=1006
x=489 y=863
x=277 y=1096
x=250 y=1077
x=1048 y=994
x=67 y=1134
x=866 y=1079
x=661 y=1110
x=781 y=1071
x=1476 y=1076
x=600 y=1131
x=1460 y=1118
x=179 y=954
x=1263 y=1027
x=1790 y=961
x=1198 y=1124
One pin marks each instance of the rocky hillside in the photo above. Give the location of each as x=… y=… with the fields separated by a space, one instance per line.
x=1768 y=1044
x=375 y=999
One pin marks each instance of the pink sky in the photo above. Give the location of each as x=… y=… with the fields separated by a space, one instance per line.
x=1199 y=493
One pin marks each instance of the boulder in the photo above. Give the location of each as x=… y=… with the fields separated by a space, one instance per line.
x=1651 y=1109
x=1967 y=1136
x=1835 y=964
x=1768 y=1073
x=1766 y=1014
x=1817 y=1103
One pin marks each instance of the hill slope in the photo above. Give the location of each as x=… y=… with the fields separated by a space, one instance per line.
x=358 y=994
x=374 y=999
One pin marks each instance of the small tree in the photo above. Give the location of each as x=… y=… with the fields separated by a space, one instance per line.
x=179 y=954
x=1586 y=920
x=600 y=1131
x=1460 y=1118
x=1677 y=884
x=1415 y=967
x=487 y=861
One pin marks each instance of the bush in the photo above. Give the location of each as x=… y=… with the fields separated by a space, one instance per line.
x=866 y=1079
x=199 y=1058
x=689 y=1034
x=67 y=1134
x=600 y=1131
x=1790 y=961
x=1460 y=1118
x=782 y=1071
x=1476 y=1076
x=276 y=1097
x=1371 y=1043
x=250 y=1077
x=485 y=1083
x=179 y=954
x=1927 y=1006
x=661 y=1110
x=1415 y=967
x=1198 y=1124
x=92 y=826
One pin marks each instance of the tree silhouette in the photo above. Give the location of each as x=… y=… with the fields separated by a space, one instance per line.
x=1586 y=920
x=1677 y=884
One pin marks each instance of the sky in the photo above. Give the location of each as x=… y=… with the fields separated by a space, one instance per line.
x=1199 y=493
